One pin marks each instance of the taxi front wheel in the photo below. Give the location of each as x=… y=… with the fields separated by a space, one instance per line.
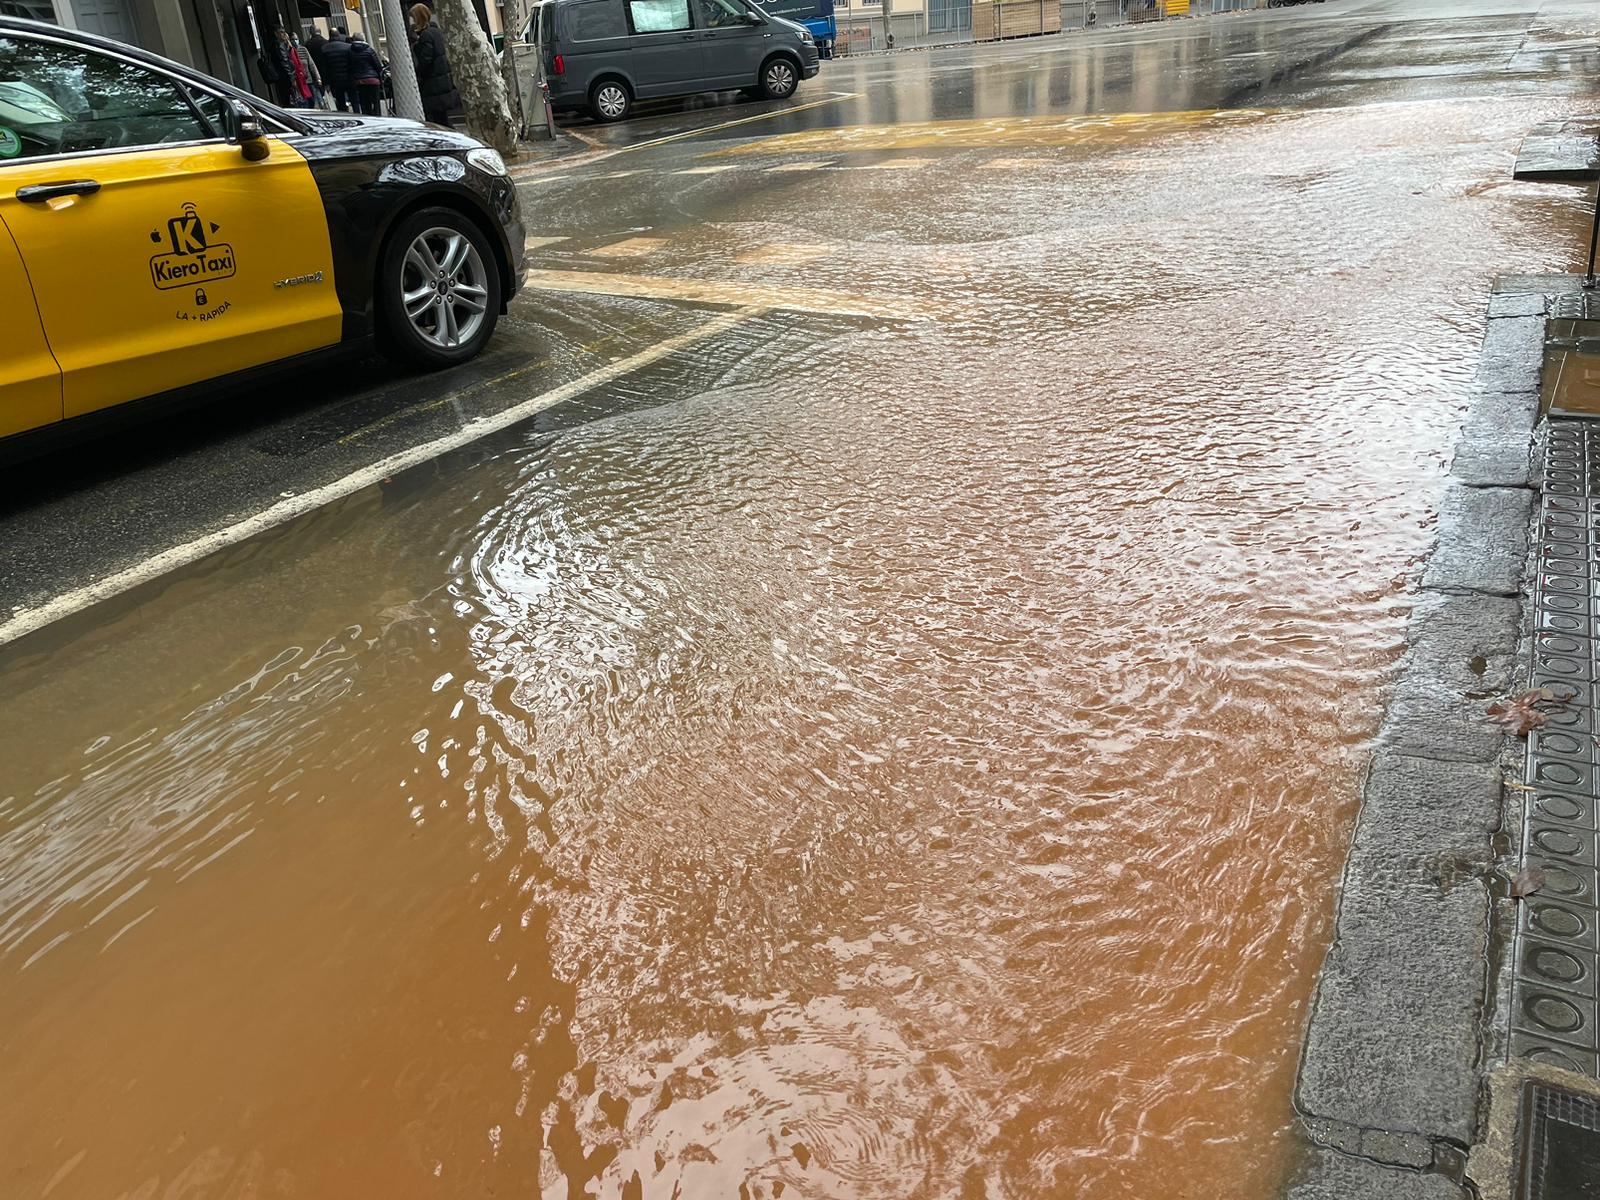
x=438 y=289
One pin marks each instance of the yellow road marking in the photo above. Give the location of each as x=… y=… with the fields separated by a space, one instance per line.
x=629 y=248
x=781 y=254
x=705 y=170
x=895 y=164
x=1011 y=164
x=30 y=620
x=800 y=166
x=706 y=291
x=1107 y=129
x=534 y=243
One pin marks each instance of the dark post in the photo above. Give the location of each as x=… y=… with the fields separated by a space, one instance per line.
x=1594 y=238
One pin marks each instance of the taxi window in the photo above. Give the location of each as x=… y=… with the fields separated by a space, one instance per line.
x=58 y=99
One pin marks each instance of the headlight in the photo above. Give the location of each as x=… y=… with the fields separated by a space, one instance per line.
x=805 y=35
x=486 y=160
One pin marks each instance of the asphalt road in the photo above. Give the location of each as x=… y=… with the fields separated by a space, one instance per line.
x=99 y=515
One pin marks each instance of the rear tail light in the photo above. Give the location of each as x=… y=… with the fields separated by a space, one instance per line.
x=561 y=65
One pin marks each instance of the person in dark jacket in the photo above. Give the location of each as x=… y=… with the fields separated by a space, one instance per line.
x=434 y=80
x=366 y=73
x=336 y=72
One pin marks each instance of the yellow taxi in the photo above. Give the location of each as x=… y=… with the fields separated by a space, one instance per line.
x=163 y=234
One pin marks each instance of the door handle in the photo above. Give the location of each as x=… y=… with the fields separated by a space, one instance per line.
x=38 y=193
x=689 y=37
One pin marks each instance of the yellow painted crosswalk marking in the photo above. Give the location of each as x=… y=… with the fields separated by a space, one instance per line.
x=535 y=243
x=781 y=254
x=1095 y=129
x=1011 y=164
x=629 y=248
x=801 y=166
x=896 y=164
x=704 y=170
x=710 y=291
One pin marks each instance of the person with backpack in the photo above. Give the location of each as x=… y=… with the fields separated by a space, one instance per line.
x=366 y=74
x=336 y=72
x=434 y=80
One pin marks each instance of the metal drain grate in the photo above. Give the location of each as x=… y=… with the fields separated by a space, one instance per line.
x=1560 y=1145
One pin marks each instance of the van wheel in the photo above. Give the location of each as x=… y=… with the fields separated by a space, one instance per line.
x=609 y=100
x=438 y=289
x=778 y=79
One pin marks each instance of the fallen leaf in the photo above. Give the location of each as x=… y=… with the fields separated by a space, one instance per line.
x=1526 y=883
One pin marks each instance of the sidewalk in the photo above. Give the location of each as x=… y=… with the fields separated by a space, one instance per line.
x=1466 y=952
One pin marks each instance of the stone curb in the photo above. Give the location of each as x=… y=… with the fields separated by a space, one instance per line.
x=1391 y=1070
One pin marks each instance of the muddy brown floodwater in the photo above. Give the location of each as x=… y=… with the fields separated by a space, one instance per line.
x=857 y=760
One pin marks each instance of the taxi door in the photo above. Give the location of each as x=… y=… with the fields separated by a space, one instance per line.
x=159 y=255
x=30 y=381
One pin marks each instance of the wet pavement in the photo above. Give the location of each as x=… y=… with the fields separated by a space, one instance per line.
x=898 y=740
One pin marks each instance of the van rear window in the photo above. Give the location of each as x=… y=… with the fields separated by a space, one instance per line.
x=659 y=16
x=600 y=19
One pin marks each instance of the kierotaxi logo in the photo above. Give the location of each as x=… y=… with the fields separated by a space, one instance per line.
x=194 y=258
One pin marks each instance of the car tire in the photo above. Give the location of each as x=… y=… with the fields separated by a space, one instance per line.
x=610 y=100
x=779 y=78
x=438 y=269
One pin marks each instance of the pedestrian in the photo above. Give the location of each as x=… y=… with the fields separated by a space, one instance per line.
x=366 y=73
x=434 y=80
x=272 y=68
x=294 y=70
x=315 y=44
x=336 y=72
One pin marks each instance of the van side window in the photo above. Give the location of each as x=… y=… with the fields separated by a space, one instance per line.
x=590 y=22
x=722 y=14
x=659 y=16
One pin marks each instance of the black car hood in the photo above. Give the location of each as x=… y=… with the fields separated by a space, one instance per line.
x=390 y=133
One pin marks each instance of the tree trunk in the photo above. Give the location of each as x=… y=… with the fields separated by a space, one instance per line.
x=477 y=76
x=516 y=103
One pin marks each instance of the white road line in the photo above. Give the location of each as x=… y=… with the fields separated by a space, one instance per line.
x=766 y=116
x=704 y=170
x=801 y=166
x=30 y=620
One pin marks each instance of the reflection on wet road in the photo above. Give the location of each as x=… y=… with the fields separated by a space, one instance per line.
x=867 y=753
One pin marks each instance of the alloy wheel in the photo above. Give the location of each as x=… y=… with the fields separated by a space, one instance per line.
x=611 y=100
x=780 y=78
x=444 y=288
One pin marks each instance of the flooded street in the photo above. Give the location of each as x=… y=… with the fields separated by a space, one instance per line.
x=898 y=744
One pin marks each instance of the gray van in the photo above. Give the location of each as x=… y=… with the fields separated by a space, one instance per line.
x=602 y=55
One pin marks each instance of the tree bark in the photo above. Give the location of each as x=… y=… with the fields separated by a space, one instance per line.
x=477 y=76
x=516 y=103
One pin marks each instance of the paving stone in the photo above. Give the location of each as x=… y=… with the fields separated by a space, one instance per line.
x=1465 y=641
x=1502 y=461
x=1329 y=1175
x=1427 y=719
x=1500 y=413
x=1483 y=541
x=1436 y=817
x=1517 y=304
x=1513 y=349
x=1393 y=1041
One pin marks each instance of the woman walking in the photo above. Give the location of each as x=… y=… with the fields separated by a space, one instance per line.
x=434 y=81
x=366 y=75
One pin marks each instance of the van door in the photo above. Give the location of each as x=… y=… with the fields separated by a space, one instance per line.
x=665 y=49
x=733 y=46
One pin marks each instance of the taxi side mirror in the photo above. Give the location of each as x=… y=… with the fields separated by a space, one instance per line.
x=244 y=130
